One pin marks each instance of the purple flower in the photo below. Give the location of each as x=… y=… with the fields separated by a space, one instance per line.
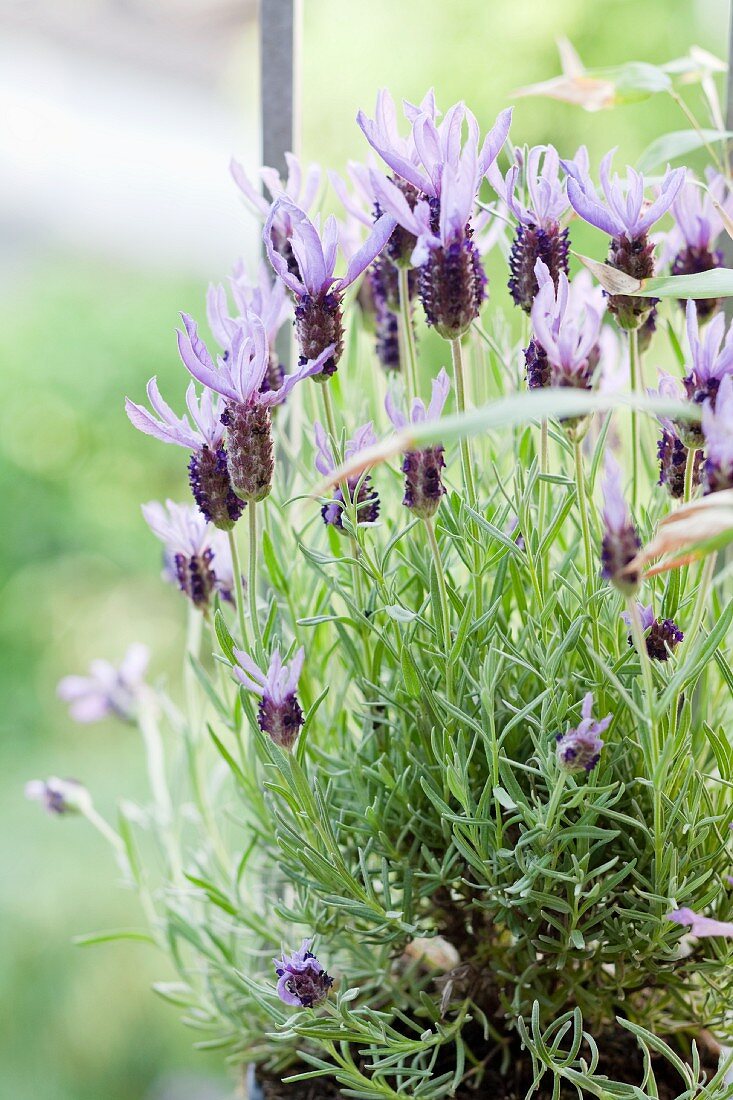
x=627 y=219
x=567 y=329
x=196 y=554
x=207 y=468
x=318 y=312
x=539 y=235
x=422 y=469
x=59 y=796
x=302 y=981
x=579 y=750
x=279 y=713
x=265 y=299
x=621 y=541
x=366 y=498
x=710 y=361
x=679 y=435
x=699 y=925
x=662 y=635
x=107 y=690
x=717 y=428
x=689 y=246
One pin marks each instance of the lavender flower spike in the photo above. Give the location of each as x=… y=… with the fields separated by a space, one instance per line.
x=621 y=541
x=360 y=488
x=196 y=554
x=701 y=926
x=539 y=235
x=662 y=635
x=302 y=981
x=318 y=313
x=567 y=330
x=710 y=361
x=107 y=690
x=239 y=378
x=422 y=469
x=690 y=245
x=579 y=750
x=717 y=428
x=59 y=796
x=265 y=299
x=207 y=468
x=279 y=713
x=627 y=219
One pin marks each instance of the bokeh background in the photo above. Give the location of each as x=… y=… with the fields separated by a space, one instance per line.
x=118 y=120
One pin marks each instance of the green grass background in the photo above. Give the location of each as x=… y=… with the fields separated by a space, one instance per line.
x=79 y=574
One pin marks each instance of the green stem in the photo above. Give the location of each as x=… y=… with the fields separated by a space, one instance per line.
x=635 y=366
x=444 y=605
x=468 y=478
x=700 y=607
x=637 y=634
x=689 y=474
x=239 y=587
x=697 y=128
x=544 y=468
x=252 y=581
x=590 y=566
x=408 y=333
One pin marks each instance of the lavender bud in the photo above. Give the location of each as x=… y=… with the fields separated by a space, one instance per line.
x=367 y=503
x=580 y=749
x=533 y=243
x=279 y=713
x=539 y=369
x=662 y=637
x=672 y=454
x=59 y=796
x=423 y=481
x=693 y=261
x=453 y=287
x=195 y=576
x=302 y=981
x=250 y=453
x=208 y=476
x=318 y=324
x=280 y=718
x=635 y=257
x=621 y=542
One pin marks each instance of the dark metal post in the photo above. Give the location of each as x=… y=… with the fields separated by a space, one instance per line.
x=279 y=78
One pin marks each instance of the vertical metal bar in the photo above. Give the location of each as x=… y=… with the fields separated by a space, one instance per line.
x=728 y=243
x=279 y=80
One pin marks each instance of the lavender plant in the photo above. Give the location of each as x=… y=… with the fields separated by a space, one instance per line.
x=460 y=744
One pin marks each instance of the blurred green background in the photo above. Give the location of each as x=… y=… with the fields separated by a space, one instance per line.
x=81 y=325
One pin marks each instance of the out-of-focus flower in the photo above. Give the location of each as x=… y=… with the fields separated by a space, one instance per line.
x=266 y=299
x=710 y=361
x=59 y=796
x=575 y=85
x=196 y=554
x=108 y=689
x=699 y=925
x=366 y=497
x=689 y=246
x=302 y=981
x=717 y=428
x=318 y=310
x=567 y=330
x=662 y=635
x=279 y=713
x=422 y=469
x=579 y=749
x=621 y=541
x=539 y=235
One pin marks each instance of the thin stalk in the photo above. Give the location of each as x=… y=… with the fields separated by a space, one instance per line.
x=700 y=607
x=239 y=588
x=689 y=474
x=635 y=365
x=252 y=581
x=444 y=605
x=408 y=333
x=468 y=478
x=637 y=634
x=587 y=543
x=155 y=759
x=544 y=468
x=697 y=128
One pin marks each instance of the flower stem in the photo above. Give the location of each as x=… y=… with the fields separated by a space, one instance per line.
x=544 y=468
x=689 y=474
x=444 y=605
x=239 y=588
x=635 y=367
x=252 y=581
x=468 y=478
x=637 y=634
x=408 y=333
x=587 y=543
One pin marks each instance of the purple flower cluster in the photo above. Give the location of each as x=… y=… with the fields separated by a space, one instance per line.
x=196 y=555
x=662 y=636
x=279 y=712
x=108 y=690
x=579 y=749
x=360 y=489
x=424 y=486
x=621 y=541
x=689 y=247
x=302 y=981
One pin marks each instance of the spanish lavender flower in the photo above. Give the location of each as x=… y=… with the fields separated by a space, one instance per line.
x=567 y=331
x=250 y=457
x=197 y=554
x=621 y=541
x=59 y=796
x=107 y=690
x=302 y=981
x=627 y=219
x=207 y=468
x=318 y=293
x=689 y=245
x=679 y=435
x=717 y=427
x=539 y=235
x=699 y=925
x=662 y=635
x=579 y=750
x=360 y=488
x=266 y=299
x=279 y=713
x=710 y=361
x=422 y=469
x=300 y=188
